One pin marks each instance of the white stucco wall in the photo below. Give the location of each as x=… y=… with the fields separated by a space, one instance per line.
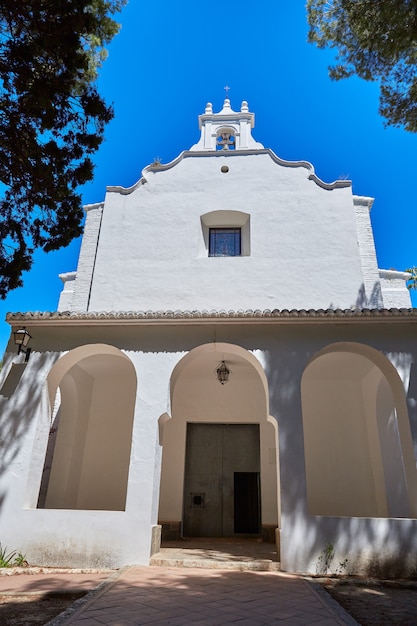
x=77 y=285
x=70 y=537
x=394 y=289
x=371 y=296
x=115 y=538
x=305 y=243
x=66 y=296
x=303 y=240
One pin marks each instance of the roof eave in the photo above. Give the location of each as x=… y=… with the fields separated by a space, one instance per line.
x=186 y=318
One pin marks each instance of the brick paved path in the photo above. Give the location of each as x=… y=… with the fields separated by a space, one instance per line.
x=141 y=596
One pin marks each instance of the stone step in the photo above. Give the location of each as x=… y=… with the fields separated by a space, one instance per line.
x=256 y=565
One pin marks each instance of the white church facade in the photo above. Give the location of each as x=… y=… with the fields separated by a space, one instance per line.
x=227 y=360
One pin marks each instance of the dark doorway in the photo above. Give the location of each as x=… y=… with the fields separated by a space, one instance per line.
x=222 y=480
x=246 y=503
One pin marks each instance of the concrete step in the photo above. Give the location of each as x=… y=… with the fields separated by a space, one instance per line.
x=262 y=565
x=242 y=555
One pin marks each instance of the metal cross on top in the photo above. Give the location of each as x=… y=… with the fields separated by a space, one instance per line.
x=227 y=89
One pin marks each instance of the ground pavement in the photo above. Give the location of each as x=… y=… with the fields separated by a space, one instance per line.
x=211 y=582
x=156 y=596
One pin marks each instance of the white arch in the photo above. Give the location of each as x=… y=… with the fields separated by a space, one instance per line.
x=222 y=351
x=91 y=454
x=389 y=374
x=197 y=396
x=64 y=364
x=231 y=130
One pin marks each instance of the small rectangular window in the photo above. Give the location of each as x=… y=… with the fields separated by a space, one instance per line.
x=224 y=242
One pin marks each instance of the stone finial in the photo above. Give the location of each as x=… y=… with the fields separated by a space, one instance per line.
x=244 y=107
x=209 y=108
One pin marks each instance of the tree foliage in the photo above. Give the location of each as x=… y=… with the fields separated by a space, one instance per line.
x=412 y=281
x=377 y=40
x=52 y=120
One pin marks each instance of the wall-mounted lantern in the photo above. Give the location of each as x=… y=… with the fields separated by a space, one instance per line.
x=21 y=339
x=222 y=372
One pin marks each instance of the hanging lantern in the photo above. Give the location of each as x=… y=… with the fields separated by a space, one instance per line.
x=222 y=372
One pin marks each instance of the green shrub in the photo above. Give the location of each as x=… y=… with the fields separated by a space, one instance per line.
x=11 y=559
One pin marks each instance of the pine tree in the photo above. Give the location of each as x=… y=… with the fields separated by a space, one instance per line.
x=377 y=40
x=52 y=120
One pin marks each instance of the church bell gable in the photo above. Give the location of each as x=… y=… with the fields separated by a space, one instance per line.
x=226 y=130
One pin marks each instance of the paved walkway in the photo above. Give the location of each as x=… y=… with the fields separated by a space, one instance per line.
x=159 y=596
x=141 y=596
x=210 y=585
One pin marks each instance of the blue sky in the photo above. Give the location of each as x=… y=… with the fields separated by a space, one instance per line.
x=171 y=58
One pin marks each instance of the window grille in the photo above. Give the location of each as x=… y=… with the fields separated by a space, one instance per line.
x=225 y=242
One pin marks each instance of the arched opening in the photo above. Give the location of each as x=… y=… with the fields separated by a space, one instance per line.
x=226 y=139
x=92 y=393
x=219 y=465
x=357 y=440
